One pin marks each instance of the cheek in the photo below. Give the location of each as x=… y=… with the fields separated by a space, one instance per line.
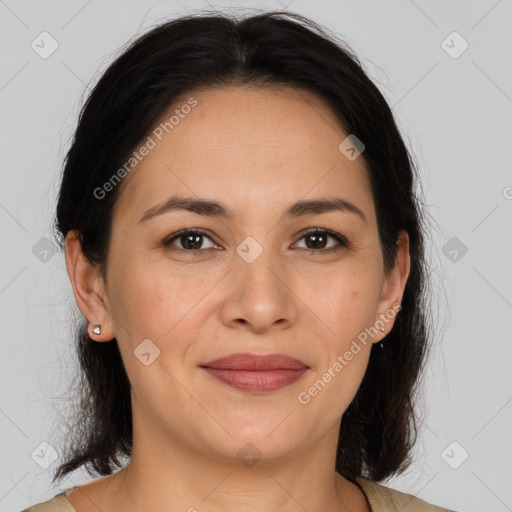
x=345 y=300
x=333 y=386
x=347 y=307
x=149 y=300
x=155 y=305
x=150 y=307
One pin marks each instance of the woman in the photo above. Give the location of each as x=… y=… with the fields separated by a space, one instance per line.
x=247 y=251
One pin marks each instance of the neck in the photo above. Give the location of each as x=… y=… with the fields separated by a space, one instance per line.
x=167 y=475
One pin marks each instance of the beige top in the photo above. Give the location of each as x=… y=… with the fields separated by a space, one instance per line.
x=380 y=498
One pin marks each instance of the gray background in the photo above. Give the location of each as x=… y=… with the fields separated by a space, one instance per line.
x=455 y=115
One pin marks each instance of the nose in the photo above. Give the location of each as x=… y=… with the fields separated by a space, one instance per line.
x=260 y=294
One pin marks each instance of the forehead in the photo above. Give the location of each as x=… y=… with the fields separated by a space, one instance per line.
x=246 y=145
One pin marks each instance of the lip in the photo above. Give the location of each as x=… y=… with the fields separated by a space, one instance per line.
x=244 y=361
x=256 y=373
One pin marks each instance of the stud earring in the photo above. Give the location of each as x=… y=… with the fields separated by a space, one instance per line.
x=96 y=329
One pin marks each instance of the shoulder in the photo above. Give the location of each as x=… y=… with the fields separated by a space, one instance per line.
x=58 y=503
x=382 y=498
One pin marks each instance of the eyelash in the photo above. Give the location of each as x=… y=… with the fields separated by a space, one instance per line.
x=342 y=241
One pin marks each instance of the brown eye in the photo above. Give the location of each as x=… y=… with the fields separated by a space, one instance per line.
x=190 y=240
x=317 y=239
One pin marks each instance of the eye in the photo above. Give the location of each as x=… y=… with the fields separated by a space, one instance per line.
x=191 y=240
x=318 y=238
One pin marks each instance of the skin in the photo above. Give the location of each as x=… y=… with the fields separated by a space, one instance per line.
x=257 y=151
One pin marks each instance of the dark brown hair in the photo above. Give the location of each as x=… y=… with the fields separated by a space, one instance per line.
x=379 y=428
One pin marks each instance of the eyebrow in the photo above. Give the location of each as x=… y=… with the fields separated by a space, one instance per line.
x=215 y=209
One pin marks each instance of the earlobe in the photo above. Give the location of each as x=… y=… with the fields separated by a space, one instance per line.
x=88 y=289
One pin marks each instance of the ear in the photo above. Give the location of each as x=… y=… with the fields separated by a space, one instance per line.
x=88 y=288
x=393 y=288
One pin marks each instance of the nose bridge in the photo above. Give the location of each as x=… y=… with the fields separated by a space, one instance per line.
x=258 y=261
x=260 y=294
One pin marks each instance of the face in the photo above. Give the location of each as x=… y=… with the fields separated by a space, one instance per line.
x=254 y=280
